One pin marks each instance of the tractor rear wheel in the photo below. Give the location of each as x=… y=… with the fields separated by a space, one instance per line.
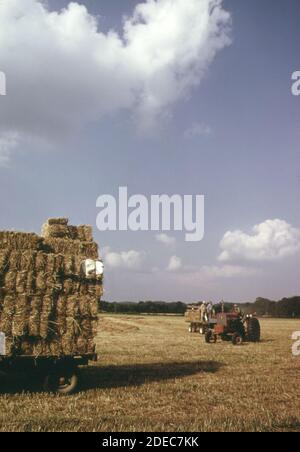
x=253 y=330
x=237 y=339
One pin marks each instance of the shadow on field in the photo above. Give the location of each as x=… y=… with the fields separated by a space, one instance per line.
x=140 y=374
x=114 y=376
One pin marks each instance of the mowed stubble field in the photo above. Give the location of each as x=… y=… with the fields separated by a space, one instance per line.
x=155 y=376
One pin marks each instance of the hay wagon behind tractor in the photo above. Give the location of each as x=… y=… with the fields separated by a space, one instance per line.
x=196 y=323
x=50 y=288
x=233 y=327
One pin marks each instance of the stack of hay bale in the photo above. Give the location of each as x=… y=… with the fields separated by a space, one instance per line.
x=48 y=307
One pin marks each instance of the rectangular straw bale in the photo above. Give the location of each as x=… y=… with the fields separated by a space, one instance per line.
x=19 y=240
x=4 y=263
x=7 y=315
x=85 y=233
x=21 y=316
x=41 y=261
x=30 y=283
x=61 y=221
x=84 y=305
x=21 y=282
x=14 y=262
x=69 y=264
x=41 y=282
x=93 y=306
x=10 y=281
x=59 y=264
x=50 y=265
x=47 y=308
x=28 y=258
x=86 y=250
x=55 y=231
x=72 y=308
x=35 y=316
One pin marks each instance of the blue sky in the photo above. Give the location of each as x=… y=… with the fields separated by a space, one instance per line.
x=245 y=162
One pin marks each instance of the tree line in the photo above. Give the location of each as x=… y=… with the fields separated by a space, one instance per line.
x=287 y=307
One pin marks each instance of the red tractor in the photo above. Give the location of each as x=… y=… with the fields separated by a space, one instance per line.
x=235 y=328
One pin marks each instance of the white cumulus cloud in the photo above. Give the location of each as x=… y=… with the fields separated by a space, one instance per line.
x=63 y=71
x=271 y=240
x=166 y=239
x=8 y=142
x=130 y=260
x=198 y=130
x=175 y=264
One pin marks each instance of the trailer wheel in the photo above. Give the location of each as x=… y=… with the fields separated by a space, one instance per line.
x=210 y=337
x=237 y=339
x=65 y=382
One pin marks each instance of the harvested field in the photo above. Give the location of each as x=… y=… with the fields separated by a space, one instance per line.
x=154 y=376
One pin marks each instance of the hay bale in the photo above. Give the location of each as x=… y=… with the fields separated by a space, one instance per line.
x=61 y=221
x=55 y=231
x=41 y=261
x=50 y=265
x=21 y=316
x=19 y=241
x=10 y=281
x=7 y=315
x=15 y=261
x=85 y=233
x=4 y=262
x=21 y=282
x=28 y=261
x=41 y=283
x=35 y=316
x=47 y=307
x=72 y=307
x=30 y=283
x=59 y=264
x=84 y=250
x=69 y=264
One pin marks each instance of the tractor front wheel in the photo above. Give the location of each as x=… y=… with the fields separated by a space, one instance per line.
x=237 y=339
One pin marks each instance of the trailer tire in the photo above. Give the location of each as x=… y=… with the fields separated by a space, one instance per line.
x=65 y=382
x=210 y=337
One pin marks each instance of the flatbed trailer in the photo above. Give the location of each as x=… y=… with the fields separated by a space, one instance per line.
x=58 y=375
x=196 y=323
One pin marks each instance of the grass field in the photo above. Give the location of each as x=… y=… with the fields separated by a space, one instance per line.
x=155 y=376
